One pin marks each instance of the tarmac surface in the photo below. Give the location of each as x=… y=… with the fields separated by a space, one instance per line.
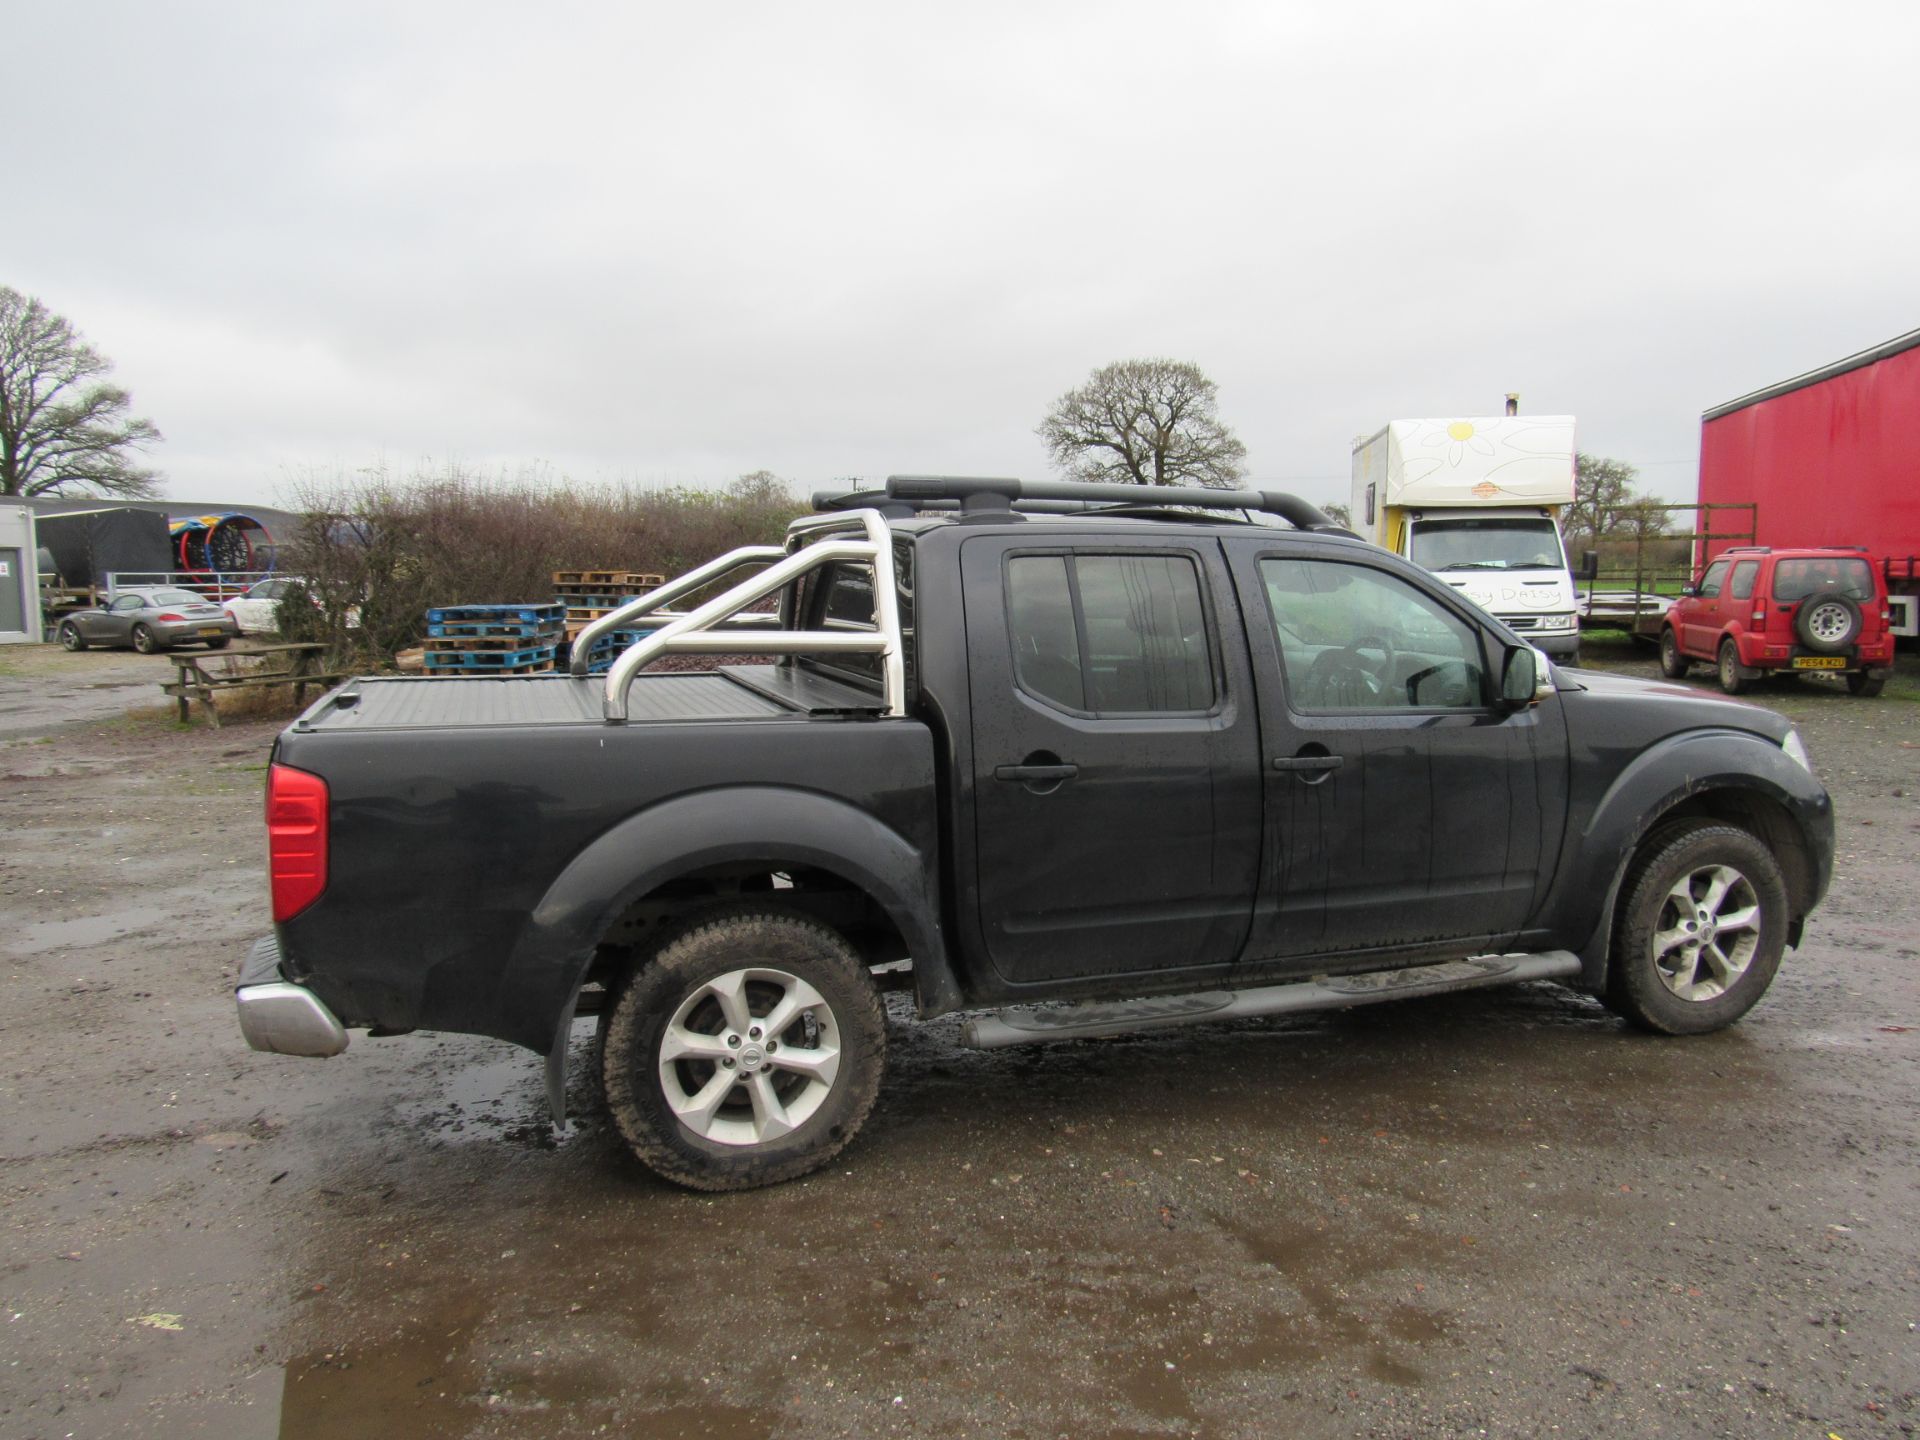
x=1501 y=1214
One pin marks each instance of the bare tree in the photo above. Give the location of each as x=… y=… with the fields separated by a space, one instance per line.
x=1144 y=422
x=1339 y=514
x=62 y=426
x=1606 y=505
x=761 y=487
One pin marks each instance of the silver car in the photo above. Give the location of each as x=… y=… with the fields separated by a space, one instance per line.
x=150 y=619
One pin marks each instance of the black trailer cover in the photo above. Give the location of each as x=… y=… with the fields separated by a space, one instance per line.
x=87 y=544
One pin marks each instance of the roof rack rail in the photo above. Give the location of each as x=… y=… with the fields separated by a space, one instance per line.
x=906 y=495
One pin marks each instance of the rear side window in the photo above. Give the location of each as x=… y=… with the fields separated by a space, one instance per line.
x=1111 y=634
x=1743 y=573
x=841 y=598
x=1797 y=579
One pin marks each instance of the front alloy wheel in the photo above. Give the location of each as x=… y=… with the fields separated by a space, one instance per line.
x=1709 y=929
x=1700 y=929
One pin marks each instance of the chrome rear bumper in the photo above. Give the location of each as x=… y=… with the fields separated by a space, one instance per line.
x=280 y=1017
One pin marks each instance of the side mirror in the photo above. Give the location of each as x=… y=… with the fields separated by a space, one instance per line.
x=1589 y=564
x=1523 y=678
x=1689 y=591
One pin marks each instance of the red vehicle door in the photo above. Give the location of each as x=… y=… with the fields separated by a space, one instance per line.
x=1699 y=616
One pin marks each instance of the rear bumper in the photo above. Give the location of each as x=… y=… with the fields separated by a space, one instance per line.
x=278 y=1016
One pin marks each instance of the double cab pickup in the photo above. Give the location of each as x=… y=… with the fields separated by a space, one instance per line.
x=1078 y=759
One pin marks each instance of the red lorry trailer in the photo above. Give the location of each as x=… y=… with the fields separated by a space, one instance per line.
x=1831 y=458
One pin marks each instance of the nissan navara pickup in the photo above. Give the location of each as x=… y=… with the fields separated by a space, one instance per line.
x=1080 y=759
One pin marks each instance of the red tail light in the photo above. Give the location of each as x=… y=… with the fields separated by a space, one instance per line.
x=171 y=616
x=296 y=839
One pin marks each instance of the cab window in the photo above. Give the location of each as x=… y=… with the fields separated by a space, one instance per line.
x=1710 y=582
x=1355 y=638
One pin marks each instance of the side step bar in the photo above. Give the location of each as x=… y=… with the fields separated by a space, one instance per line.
x=1084 y=1020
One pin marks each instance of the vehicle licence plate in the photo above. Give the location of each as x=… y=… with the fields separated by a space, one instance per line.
x=210 y=630
x=1819 y=662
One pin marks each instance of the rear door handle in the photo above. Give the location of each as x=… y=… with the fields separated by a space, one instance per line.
x=1032 y=774
x=1309 y=762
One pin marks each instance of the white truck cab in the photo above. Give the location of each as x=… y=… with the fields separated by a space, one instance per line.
x=1477 y=501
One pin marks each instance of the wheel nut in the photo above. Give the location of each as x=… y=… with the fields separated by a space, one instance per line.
x=754 y=1033
x=728 y=1062
x=734 y=1041
x=772 y=1045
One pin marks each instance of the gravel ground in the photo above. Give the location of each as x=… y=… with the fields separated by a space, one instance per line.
x=1502 y=1214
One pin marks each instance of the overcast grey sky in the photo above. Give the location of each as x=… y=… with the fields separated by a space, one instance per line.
x=653 y=243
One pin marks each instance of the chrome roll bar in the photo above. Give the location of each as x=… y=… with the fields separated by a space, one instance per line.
x=698 y=632
x=660 y=595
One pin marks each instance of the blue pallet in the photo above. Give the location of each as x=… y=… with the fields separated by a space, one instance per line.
x=486 y=659
x=528 y=629
x=536 y=614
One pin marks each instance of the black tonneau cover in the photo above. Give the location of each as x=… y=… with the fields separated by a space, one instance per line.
x=736 y=692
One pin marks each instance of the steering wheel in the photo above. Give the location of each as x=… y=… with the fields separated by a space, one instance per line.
x=1344 y=679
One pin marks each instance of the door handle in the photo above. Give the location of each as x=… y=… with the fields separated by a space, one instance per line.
x=1309 y=762
x=1035 y=774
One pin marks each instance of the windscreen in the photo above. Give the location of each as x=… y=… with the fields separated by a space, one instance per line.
x=1487 y=544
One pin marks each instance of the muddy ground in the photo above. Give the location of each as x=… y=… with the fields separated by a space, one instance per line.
x=1501 y=1215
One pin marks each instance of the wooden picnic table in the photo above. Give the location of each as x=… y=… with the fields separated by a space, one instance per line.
x=198 y=674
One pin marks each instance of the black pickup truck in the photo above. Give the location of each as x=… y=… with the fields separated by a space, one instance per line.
x=1085 y=759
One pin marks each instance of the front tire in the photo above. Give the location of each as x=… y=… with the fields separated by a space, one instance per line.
x=1702 y=926
x=145 y=641
x=748 y=1051
x=1673 y=664
x=70 y=636
x=1731 y=680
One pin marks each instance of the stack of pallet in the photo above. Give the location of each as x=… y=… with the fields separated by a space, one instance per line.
x=493 y=639
x=589 y=594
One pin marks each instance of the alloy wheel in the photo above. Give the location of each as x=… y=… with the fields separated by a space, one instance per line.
x=1708 y=931
x=749 y=1056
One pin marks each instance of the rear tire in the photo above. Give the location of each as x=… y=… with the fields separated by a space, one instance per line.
x=145 y=641
x=1862 y=684
x=710 y=1086
x=70 y=636
x=221 y=643
x=1673 y=664
x=1702 y=925
x=1731 y=680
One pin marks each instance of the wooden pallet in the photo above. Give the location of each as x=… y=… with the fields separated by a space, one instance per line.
x=468 y=644
x=597 y=580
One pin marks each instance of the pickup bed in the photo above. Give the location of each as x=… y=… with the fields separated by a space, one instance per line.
x=1133 y=760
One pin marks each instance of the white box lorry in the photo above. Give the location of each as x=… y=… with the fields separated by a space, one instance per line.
x=1477 y=501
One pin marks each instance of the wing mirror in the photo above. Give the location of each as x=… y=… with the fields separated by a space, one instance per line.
x=1525 y=678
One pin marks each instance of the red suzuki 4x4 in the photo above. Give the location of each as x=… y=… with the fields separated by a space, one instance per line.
x=1758 y=609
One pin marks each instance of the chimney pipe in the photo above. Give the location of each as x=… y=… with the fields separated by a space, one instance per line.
x=1513 y=402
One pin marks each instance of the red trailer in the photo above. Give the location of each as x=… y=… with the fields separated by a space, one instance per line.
x=1831 y=457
